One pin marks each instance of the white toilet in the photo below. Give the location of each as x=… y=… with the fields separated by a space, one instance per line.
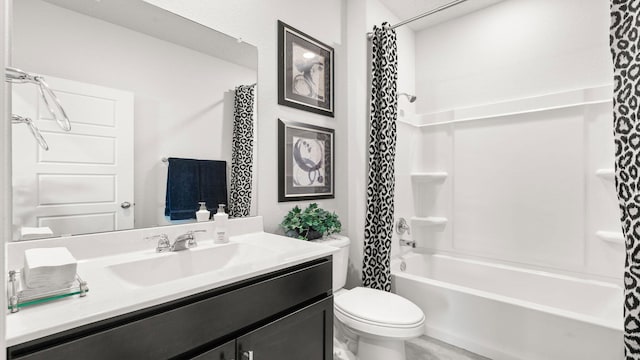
x=382 y=321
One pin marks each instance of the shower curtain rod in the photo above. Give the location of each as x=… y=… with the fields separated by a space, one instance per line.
x=430 y=12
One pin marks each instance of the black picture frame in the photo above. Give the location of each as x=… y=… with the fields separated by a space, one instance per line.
x=305 y=72
x=305 y=162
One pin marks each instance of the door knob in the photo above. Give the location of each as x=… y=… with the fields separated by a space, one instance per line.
x=247 y=355
x=125 y=205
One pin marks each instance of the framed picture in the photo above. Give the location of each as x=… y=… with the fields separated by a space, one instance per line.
x=305 y=162
x=305 y=71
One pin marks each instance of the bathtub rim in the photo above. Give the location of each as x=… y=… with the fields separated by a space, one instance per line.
x=589 y=319
x=573 y=273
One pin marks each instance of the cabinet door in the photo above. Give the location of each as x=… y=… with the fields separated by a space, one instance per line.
x=305 y=334
x=222 y=352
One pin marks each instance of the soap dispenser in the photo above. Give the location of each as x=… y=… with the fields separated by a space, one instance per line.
x=220 y=220
x=203 y=214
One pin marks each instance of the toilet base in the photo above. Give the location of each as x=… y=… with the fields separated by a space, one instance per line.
x=380 y=349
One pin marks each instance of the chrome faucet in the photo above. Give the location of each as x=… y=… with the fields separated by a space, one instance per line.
x=402 y=226
x=163 y=242
x=185 y=241
x=411 y=243
x=182 y=242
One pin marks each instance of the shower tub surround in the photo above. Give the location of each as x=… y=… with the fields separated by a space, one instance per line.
x=508 y=313
x=523 y=188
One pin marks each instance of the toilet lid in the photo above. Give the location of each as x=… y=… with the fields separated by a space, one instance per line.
x=378 y=307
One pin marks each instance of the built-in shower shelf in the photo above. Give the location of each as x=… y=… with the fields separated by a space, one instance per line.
x=608 y=174
x=429 y=177
x=611 y=236
x=433 y=221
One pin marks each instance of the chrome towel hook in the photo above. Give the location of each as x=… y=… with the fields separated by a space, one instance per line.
x=17 y=119
x=18 y=76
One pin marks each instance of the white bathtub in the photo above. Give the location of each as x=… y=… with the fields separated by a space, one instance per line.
x=505 y=312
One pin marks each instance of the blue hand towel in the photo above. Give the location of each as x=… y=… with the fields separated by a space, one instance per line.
x=190 y=181
x=182 y=194
x=213 y=183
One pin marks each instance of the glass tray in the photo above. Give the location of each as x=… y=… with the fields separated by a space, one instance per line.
x=17 y=298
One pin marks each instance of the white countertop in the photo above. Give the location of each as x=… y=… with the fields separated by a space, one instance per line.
x=110 y=296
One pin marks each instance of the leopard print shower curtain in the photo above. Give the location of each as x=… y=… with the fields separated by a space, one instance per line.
x=624 y=41
x=242 y=153
x=382 y=151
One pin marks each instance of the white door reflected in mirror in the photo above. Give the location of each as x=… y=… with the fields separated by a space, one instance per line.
x=76 y=186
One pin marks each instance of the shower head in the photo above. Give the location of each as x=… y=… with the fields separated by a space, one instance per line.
x=411 y=98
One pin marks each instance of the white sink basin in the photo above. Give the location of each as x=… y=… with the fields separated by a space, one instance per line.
x=160 y=268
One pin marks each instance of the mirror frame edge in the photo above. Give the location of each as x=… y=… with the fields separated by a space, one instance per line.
x=5 y=155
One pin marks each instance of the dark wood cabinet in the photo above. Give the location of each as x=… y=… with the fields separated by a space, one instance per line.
x=287 y=314
x=306 y=334
x=222 y=352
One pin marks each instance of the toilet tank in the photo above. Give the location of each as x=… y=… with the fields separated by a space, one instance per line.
x=340 y=258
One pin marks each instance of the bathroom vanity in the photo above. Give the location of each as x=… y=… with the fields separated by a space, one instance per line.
x=270 y=299
x=254 y=316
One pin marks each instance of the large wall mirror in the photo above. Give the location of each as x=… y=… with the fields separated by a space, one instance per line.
x=140 y=85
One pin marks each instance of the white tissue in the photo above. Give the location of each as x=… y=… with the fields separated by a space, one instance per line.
x=27 y=292
x=30 y=233
x=49 y=267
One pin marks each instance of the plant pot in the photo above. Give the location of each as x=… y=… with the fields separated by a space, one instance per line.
x=312 y=234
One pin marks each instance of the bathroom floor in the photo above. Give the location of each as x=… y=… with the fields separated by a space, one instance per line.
x=426 y=348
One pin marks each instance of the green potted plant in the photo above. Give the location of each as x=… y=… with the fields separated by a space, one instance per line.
x=310 y=223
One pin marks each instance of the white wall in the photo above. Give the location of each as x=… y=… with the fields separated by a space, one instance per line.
x=522 y=186
x=358 y=83
x=183 y=98
x=255 y=22
x=514 y=49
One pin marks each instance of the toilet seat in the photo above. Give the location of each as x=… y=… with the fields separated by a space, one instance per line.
x=379 y=313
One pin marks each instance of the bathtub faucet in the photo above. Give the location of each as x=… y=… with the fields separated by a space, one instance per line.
x=411 y=243
x=402 y=226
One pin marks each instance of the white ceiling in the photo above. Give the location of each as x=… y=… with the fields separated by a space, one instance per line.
x=159 y=23
x=406 y=9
